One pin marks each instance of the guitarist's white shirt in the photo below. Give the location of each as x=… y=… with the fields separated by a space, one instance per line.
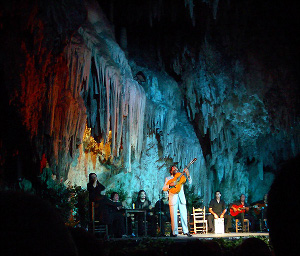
x=173 y=198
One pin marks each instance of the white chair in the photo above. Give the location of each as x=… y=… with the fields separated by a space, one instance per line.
x=199 y=221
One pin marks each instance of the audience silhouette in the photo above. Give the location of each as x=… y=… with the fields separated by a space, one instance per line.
x=31 y=226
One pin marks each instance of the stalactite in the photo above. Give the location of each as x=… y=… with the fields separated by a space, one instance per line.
x=120 y=97
x=237 y=121
x=190 y=4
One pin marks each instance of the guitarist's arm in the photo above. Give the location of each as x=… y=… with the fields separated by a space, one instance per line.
x=167 y=186
x=188 y=176
x=246 y=206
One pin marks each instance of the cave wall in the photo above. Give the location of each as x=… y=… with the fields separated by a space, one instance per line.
x=80 y=104
x=228 y=104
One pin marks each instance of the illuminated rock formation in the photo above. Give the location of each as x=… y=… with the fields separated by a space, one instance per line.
x=185 y=84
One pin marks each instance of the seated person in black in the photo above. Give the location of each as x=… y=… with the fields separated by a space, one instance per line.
x=108 y=213
x=115 y=198
x=143 y=203
x=240 y=210
x=217 y=208
x=162 y=211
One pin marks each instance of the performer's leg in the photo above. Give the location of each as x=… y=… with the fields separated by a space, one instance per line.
x=228 y=219
x=163 y=225
x=210 y=219
x=242 y=217
x=183 y=215
x=174 y=220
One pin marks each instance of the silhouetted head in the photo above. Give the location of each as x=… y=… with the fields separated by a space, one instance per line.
x=253 y=247
x=282 y=203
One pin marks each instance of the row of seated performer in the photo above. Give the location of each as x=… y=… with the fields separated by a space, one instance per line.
x=238 y=210
x=109 y=211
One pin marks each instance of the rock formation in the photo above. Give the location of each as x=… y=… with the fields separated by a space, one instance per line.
x=74 y=96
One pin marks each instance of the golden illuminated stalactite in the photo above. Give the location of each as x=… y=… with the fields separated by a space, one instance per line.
x=99 y=150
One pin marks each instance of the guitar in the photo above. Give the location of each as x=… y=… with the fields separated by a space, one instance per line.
x=258 y=207
x=237 y=209
x=179 y=179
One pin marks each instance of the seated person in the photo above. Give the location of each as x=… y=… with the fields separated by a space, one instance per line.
x=260 y=209
x=162 y=211
x=108 y=213
x=240 y=210
x=217 y=208
x=143 y=203
x=115 y=198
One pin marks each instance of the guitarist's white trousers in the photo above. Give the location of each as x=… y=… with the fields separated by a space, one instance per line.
x=174 y=217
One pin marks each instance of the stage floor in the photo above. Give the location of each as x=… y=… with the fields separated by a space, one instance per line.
x=225 y=235
x=208 y=236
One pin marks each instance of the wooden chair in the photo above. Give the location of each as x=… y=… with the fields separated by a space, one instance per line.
x=238 y=226
x=97 y=227
x=199 y=221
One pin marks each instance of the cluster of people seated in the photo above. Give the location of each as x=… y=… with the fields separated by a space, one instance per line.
x=238 y=210
x=111 y=212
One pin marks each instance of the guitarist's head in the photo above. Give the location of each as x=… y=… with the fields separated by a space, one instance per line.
x=242 y=198
x=173 y=170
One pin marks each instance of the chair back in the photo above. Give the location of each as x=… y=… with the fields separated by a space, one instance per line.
x=97 y=227
x=199 y=213
x=200 y=222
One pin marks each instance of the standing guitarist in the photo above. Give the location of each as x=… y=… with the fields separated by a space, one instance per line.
x=177 y=200
x=239 y=210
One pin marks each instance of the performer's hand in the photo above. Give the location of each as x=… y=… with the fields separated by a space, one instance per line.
x=187 y=172
x=172 y=184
